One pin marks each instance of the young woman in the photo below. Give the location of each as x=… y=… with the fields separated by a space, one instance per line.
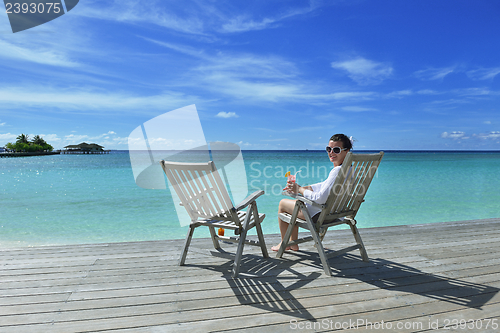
x=338 y=147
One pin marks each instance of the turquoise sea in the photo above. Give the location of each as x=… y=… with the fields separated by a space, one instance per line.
x=75 y=199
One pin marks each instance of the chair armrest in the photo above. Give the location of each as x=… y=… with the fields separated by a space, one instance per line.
x=248 y=200
x=303 y=199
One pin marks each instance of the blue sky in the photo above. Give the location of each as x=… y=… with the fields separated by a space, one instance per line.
x=263 y=74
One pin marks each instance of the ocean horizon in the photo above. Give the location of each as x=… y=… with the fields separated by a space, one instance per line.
x=81 y=199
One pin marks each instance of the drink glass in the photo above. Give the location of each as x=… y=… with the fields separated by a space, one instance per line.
x=291 y=178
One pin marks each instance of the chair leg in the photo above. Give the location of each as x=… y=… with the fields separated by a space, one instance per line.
x=321 y=252
x=213 y=235
x=241 y=244
x=318 y=243
x=260 y=234
x=184 y=252
x=357 y=237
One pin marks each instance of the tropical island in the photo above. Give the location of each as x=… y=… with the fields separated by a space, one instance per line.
x=26 y=147
x=23 y=144
x=38 y=146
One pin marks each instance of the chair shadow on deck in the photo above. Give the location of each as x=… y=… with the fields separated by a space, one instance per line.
x=390 y=275
x=271 y=284
x=261 y=286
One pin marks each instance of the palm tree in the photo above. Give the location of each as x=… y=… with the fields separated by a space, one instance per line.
x=23 y=138
x=38 y=140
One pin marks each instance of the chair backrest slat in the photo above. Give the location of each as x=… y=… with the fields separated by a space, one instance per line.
x=216 y=202
x=203 y=189
x=223 y=197
x=351 y=184
x=183 y=190
x=186 y=185
x=200 y=189
x=356 y=185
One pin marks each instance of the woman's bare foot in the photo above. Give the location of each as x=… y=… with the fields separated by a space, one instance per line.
x=288 y=248
x=276 y=248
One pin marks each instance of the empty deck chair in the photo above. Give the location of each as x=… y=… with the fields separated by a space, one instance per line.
x=341 y=207
x=204 y=196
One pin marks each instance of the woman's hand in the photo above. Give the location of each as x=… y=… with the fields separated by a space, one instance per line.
x=292 y=187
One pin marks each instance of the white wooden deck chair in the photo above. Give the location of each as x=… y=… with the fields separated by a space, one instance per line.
x=205 y=197
x=342 y=205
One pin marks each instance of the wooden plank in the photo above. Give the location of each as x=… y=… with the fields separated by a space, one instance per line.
x=440 y=271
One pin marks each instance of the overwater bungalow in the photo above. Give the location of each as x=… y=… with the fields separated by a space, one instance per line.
x=85 y=148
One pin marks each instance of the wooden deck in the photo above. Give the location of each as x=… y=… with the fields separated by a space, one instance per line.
x=419 y=276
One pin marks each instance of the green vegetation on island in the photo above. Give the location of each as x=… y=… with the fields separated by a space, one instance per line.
x=23 y=144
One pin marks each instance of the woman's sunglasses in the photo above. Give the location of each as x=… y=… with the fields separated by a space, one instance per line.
x=336 y=150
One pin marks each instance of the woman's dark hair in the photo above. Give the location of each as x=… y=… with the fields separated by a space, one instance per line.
x=346 y=142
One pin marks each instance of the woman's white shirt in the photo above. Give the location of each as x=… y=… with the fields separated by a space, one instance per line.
x=320 y=191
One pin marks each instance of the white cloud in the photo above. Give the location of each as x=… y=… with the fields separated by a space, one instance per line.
x=180 y=18
x=75 y=138
x=8 y=136
x=428 y=92
x=256 y=77
x=252 y=77
x=45 y=56
x=248 y=66
x=44 y=45
x=243 y=23
x=49 y=137
x=347 y=95
x=189 y=50
x=247 y=76
x=434 y=73
x=474 y=92
x=483 y=73
x=364 y=71
x=252 y=90
x=90 y=100
x=223 y=114
x=494 y=135
x=454 y=135
x=199 y=18
x=108 y=140
x=459 y=135
x=400 y=93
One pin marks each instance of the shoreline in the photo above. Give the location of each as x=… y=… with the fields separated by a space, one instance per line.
x=29 y=154
x=444 y=224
